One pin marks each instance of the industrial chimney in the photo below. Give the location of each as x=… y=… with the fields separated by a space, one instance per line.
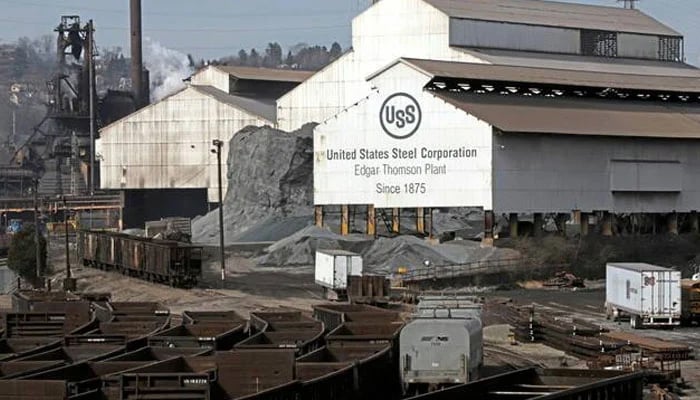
x=138 y=85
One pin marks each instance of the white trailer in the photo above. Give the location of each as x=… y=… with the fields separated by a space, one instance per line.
x=650 y=295
x=333 y=267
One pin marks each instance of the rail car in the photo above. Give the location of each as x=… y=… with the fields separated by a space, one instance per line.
x=690 y=301
x=442 y=345
x=162 y=261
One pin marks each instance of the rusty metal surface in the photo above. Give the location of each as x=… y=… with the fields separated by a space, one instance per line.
x=39 y=390
x=333 y=315
x=193 y=317
x=662 y=349
x=162 y=261
x=246 y=372
x=557 y=14
x=580 y=116
x=216 y=335
x=534 y=383
x=14 y=369
x=554 y=76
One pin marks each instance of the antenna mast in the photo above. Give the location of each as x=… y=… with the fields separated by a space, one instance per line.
x=631 y=4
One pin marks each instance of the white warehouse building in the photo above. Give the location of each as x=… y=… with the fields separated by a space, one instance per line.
x=161 y=154
x=513 y=106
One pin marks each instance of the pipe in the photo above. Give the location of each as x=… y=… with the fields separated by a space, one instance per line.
x=136 y=52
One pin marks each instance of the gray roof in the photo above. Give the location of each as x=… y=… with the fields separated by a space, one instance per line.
x=266 y=74
x=582 y=63
x=639 y=266
x=264 y=108
x=556 y=76
x=520 y=114
x=550 y=13
x=338 y=253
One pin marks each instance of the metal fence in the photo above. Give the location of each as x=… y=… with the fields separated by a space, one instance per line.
x=434 y=272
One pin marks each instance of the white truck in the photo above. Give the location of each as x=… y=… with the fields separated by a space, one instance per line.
x=649 y=294
x=333 y=267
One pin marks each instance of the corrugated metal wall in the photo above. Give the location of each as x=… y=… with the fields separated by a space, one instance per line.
x=388 y=30
x=560 y=173
x=497 y=35
x=210 y=76
x=167 y=145
x=637 y=46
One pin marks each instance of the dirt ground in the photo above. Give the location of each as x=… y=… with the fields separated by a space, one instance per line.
x=246 y=288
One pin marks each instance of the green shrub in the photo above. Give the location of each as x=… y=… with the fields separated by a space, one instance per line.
x=21 y=257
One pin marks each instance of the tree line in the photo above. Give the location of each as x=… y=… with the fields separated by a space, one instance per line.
x=301 y=56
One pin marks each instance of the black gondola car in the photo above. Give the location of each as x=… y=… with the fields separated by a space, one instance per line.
x=163 y=261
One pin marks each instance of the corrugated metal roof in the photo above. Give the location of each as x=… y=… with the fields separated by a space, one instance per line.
x=550 y=13
x=508 y=73
x=640 y=267
x=581 y=63
x=266 y=74
x=580 y=116
x=264 y=108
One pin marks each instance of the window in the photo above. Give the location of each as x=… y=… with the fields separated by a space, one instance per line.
x=598 y=43
x=670 y=48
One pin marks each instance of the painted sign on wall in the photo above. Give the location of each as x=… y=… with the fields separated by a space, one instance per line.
x=400 y=149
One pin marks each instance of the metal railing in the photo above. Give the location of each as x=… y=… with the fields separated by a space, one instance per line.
x=434 y=272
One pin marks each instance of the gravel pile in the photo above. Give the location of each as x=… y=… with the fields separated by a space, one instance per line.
x=270 y=187
x=383 y=255
x=300 y=248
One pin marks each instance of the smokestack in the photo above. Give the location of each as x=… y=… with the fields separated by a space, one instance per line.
x=136 y=54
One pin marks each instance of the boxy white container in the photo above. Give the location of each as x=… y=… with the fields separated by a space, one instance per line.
x=334 y=266
x=649 y=294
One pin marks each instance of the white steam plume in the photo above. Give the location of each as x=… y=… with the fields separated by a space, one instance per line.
x=167 y=69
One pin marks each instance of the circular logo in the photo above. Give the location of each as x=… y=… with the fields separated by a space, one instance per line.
x=400 y=115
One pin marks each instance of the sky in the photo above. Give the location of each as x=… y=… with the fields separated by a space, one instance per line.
x=215 y=28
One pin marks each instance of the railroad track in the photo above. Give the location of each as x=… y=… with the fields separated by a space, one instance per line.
x=510 y=358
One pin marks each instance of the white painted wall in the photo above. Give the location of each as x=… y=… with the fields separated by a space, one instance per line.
x=465 y=181
x=386 y=31
x=212 y=76
x=167 y=144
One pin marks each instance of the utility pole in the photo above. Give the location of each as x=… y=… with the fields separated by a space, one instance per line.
x=37 y=243
x=69 y=282
x=218 y=144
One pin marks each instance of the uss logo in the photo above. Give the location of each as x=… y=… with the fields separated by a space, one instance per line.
x=400 y=116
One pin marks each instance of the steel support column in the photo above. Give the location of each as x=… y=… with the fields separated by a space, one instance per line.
x=694 y=222
x=488 y=228
x=561 y=223
x=344 y=220
x=395 y=220
x=420 y=220
x=429 y=223
x=672 y=223
x=584 y=223
x=318 y=216
x=537 y=224
x=513 y=224
x=371 y=221
x=607 y=225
